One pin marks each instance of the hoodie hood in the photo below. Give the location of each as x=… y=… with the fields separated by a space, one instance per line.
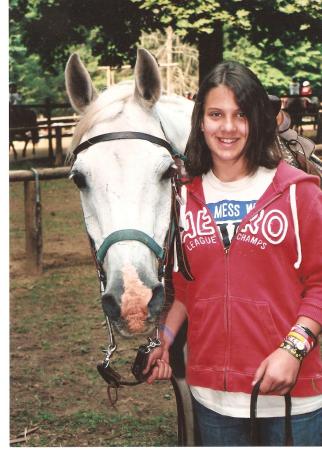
x=287 y=175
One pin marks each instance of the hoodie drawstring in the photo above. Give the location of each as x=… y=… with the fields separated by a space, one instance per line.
x=296 y=225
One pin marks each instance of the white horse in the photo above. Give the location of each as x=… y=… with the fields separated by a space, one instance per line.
x=124 y=178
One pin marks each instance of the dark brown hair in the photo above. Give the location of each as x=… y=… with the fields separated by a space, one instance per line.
x=253 y=100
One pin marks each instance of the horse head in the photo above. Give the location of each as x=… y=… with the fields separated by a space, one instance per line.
x=125 y=185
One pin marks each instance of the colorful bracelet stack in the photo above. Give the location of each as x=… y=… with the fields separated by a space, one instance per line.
x=299 y=341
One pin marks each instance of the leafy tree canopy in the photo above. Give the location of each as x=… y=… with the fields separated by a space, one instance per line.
x=278 y=39
x=291 y=20
x=50 y=26
x=112 y=27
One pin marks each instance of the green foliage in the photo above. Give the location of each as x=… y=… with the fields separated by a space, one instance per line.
x=51 y=27
x=276 y=69
x=36 y=84
x=260 y=18
x=278 y=39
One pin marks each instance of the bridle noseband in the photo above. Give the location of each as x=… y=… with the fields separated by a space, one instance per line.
x=129 y=234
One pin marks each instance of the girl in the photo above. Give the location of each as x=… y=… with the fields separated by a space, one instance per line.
x=252 y=235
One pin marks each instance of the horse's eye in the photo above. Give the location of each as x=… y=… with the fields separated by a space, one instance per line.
x=169 y=173
x=79 y=179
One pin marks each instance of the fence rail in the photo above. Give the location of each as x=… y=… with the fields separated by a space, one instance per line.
x=44 y=174
x=55 y=130
x=33 y=216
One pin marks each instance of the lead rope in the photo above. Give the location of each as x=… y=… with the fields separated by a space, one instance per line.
x=254 y=431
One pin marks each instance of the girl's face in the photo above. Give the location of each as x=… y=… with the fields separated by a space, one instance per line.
x=225 y=128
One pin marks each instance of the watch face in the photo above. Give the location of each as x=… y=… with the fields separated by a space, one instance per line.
x=300 y=346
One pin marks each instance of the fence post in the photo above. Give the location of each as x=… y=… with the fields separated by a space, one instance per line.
x=59 y=146
x=33 y=227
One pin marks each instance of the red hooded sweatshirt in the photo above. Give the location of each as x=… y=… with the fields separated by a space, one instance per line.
x=244 y=301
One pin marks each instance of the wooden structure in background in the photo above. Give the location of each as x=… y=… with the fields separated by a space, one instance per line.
x=33 y=217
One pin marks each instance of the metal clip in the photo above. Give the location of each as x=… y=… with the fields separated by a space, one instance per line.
x=108 y=353
x=153 y=343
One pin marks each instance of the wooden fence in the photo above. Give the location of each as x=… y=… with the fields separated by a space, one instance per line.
x=56 y=131
x=33 y=218
x=50 y=123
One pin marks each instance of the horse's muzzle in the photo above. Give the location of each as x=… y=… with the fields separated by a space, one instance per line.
x=113 y=309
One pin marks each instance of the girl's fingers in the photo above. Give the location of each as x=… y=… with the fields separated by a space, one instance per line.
x=152 y=358
x=162 y=371
x=153 y=376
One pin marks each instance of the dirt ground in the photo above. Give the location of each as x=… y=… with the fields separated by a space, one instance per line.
x=57 y=398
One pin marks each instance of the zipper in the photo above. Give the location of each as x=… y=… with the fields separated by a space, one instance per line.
x=226 y=253
x=226 y=250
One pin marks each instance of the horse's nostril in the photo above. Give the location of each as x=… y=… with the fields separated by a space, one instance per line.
x=111 y=307
x=157 y=300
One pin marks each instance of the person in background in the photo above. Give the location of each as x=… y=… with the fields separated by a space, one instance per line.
x=251 y=230
x=294 y=88
x=306 y=89
x=14 y=96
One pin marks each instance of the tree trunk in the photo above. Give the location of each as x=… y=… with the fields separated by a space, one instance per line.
x=210 y=47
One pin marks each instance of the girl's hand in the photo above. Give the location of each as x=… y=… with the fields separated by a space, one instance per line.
x=159 y=360
x=278 y=373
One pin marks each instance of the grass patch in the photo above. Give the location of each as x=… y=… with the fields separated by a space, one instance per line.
x=127 y=430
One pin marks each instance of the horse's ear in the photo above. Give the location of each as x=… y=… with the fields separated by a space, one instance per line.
x=147 y=79
x=80 y=89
